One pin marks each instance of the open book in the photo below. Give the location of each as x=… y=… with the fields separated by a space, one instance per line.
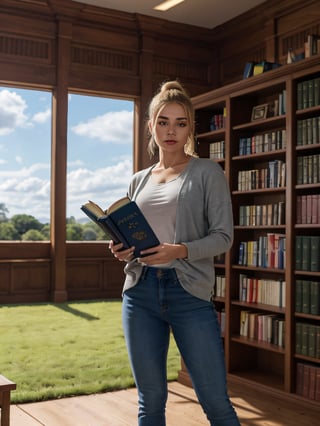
x=124 y=222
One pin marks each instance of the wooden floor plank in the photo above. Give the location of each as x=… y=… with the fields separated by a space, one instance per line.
x=120 y=408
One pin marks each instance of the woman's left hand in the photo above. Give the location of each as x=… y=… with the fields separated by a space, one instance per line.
x=163 y=253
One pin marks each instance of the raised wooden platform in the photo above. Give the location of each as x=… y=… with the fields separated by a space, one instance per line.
x=120 y=409
x=6 y=386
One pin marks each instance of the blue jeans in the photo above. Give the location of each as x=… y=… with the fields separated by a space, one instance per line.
x=155 y=305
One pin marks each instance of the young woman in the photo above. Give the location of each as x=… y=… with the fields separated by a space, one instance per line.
x=187 y=202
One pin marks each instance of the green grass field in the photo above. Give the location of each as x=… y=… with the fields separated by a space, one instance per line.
x=58 y=350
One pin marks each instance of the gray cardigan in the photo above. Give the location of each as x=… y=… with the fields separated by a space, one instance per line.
x=204 y=224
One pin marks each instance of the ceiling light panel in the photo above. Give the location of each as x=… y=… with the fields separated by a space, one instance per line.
x=168 y=4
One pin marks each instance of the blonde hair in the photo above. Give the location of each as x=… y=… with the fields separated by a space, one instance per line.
x=172 y=92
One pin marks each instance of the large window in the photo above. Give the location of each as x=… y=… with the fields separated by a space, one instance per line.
x=100 y=144
x=25 y=144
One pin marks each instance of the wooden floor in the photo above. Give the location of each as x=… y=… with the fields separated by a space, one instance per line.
x=120 y=409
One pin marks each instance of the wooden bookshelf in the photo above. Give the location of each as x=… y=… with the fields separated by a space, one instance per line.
x=250 y=359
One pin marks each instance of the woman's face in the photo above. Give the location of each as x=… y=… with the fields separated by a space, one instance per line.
x=171 y=128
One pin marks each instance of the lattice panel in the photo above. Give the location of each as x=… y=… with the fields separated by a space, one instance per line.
x=103 y=58
x=185 y=70
x=18 y=47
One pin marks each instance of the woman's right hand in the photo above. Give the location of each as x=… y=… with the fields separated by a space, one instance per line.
x=121 y=255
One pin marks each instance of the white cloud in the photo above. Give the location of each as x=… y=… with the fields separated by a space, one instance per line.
x=42 y=117
x=112 y=127
x=24 y=172
x=24 y=192
x=75 y=163
x=12 y=112
x=19 y=159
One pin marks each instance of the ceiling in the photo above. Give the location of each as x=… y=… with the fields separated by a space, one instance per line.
x=202 y=13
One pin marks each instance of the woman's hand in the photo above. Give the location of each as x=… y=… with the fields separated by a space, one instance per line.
x=163 y=253
x=122 y=255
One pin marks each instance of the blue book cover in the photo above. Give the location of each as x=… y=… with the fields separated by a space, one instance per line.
x=125 y=223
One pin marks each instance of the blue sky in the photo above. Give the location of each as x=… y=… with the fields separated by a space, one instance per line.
x=100 y=146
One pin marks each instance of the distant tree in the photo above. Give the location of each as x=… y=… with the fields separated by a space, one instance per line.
x=71 y=220
x=74 y=232
x=3 y=211
x=33 y=235
x=24 y=222
x=89 y=234
x=8 y=232
x=45 y=231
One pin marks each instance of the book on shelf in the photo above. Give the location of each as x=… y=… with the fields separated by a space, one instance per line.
x=269 y=251
x=308 y=209
x=308 y=381
x=274 y=176
x=218 y=121
x=217 y=150
x=307 y=341
x=220 y=286
x=308 y=93
x=124 y=222
x=311 y=46
x=260 y=290
x=248 y=69
x=307 y=253
x=265 y=214
x=269 y=328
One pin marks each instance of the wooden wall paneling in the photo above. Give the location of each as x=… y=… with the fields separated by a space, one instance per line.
x=141 y=157
x=24 y=281
x=293 y=31
x=290 y=209
x=27 y=40
x=94 y=279
x=59 y=165
x=25 y=269
x=84 y=274
x=92 y=271
x=5 y=279
x=10 y=250
x=31 y=276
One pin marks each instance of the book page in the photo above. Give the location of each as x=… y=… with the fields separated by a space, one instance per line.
x=117 y=204
x=95 y=209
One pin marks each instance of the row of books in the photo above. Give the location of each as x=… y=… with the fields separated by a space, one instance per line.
x=261 y=327
x=307 y=295
x=308 y=381
x=262 y=214
x=308 y=93
x=217 y=150
x=308 y=209
x=307 y=253
x=266 y=252
x=265 y=291
x=256 y=68
x=220 y=286
x=308 y=339
x=308 y=169
x=218 y=121
x=274 y=176
x=308 y=131
x=264 y=142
